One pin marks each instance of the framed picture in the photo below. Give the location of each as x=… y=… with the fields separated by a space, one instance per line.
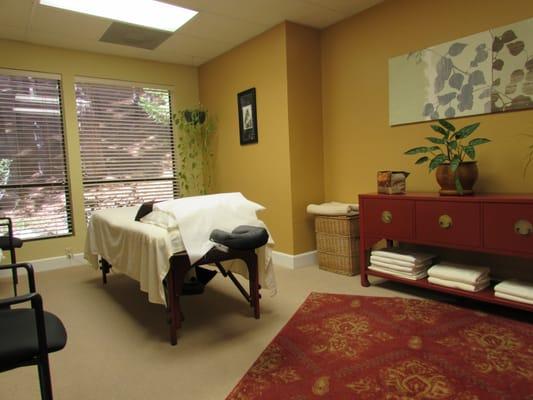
x=247 y=116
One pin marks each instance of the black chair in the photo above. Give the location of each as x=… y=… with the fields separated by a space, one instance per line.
x=10 y=243
x=27 y=335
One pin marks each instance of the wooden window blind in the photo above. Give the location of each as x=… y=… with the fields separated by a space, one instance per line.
x=127 y=146
x=34 y=188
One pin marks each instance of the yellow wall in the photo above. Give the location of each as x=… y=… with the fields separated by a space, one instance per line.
x=68 y=63
x=260 y=171
x=284 y=170
x=357 y=138
x=322 y=118
x=305 y=130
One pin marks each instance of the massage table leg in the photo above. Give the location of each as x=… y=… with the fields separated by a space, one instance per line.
x=253 y=273
x=105 y=267
x=250 y=259
x=179 y=266
x=173 y=307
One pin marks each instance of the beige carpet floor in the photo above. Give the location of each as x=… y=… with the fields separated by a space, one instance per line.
x=118 y=345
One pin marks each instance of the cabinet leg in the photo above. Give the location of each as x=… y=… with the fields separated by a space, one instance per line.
x=364 y=279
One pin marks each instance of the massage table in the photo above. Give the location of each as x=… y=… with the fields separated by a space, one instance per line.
x=157 y=259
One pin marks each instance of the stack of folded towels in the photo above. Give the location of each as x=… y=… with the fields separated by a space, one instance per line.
x=459 y=276
x=333 y=208
x=402 y=263
x=515 y=290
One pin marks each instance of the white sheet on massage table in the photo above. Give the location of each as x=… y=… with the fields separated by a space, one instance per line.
x=142 y=251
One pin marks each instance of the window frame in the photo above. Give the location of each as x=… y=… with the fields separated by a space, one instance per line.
x=66 y=186
x=176 y=187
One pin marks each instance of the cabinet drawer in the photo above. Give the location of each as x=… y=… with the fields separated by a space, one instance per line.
x=390 y=219
x=500 y=232
x=448 y=222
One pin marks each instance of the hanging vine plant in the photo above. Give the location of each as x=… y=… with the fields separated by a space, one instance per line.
x=196 y=128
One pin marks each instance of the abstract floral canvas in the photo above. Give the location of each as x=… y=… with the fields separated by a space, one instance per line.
x=491 y=71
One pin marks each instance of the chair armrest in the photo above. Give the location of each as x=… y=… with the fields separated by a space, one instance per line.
x=9 y=301
x=29 y=270
x=9 y=225
x=5 y=221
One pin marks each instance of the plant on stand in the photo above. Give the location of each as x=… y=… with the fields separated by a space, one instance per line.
x=452 y=157
x=194 y=150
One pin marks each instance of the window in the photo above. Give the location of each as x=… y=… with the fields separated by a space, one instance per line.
x=33 y=173
x=126 y=142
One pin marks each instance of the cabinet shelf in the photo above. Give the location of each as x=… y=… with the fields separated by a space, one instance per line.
x=495 y=224
x=485 y=295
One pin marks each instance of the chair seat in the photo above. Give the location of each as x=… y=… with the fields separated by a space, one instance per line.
x=4 y=243
x=18 y=336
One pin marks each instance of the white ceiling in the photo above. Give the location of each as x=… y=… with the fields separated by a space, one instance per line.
x=219 y=26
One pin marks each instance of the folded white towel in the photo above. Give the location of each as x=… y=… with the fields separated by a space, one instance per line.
x=468 y=274
x=516 y=288
x=394 y=265
x=513 y=298
x=406 y=275
x=459 y=285
x=401 y=263
x=404 y=255
x=333 y=208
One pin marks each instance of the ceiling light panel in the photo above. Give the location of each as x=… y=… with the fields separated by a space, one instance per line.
x=150 y=13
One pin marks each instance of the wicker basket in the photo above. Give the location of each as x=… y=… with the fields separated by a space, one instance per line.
x=339 y=264
x=338 y=244
x=338 y=225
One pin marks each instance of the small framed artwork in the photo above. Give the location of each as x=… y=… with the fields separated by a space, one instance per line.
x=247 y=117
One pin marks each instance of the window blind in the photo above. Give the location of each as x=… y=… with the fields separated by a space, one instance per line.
x=33 y=174
x=126 y=141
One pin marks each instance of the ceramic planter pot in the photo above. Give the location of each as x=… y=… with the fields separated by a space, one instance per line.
x=467 y=173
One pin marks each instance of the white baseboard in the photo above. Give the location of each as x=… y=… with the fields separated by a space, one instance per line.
x=48 y=264
x=279 y=259
x=294 y=261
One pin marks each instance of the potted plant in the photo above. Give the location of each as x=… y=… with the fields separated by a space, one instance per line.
x=448 y=155
x=194 y=149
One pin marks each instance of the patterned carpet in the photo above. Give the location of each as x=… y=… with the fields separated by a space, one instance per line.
x=355 y=347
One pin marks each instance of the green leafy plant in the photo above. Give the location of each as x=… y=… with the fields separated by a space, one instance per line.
x=196 y=128
x=5 y=164
x=449 y=148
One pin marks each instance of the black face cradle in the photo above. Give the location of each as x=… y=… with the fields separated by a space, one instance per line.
x=244 y=237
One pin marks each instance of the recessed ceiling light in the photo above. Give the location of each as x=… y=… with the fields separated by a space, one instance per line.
x=150 y=13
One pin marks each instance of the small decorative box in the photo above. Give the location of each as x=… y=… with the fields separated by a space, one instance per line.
x=392 y=182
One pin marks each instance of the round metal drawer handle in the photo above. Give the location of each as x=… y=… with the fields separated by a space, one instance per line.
x=523 y=227
x=386 y=217
x=445 y=221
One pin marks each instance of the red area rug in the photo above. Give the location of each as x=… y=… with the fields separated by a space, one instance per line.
x=354 y=347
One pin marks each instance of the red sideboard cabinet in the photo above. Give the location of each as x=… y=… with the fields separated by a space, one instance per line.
x=489 y=223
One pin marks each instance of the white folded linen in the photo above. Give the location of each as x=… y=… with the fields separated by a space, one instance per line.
x=198 y=216
x=459 y=285
x=515 y=288
x=392 y=265
x=400 y=263
x=142 y=250
x=404 y=255
x=333 y=208
x=468 y=274
x=513 y=298
x=406 y=275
